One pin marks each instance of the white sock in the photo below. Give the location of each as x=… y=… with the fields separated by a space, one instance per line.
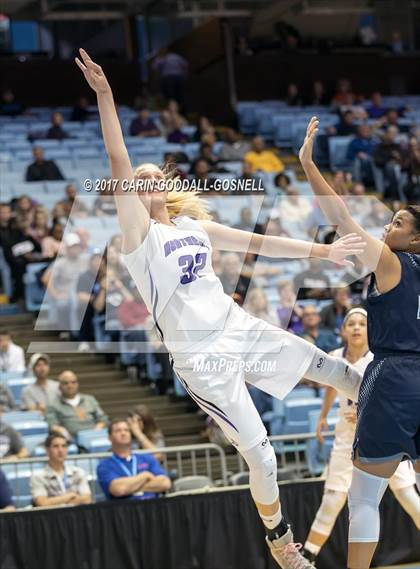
x=312 y=548
x=272 y=521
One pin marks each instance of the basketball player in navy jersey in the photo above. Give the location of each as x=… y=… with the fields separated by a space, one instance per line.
x=167 y=246
x=388 y=428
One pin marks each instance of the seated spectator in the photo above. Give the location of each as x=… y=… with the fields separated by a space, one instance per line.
x=355 y=201
x=7 y=401
x=332 y=315
x=39 y=228
x=12 y=357
x=341 y=182
x=145 y=430
x=56 y=131
x=42 y=169
x=392 y=118
x=344 y=94
x=80 y=112
x=312 y=283
x=37 y=396
x=360 y=154
x=88 y=285
x=105 y=204
x=294 y=208
x=127 y=474
x=318 y=96
x=143 y=125
x=60 y=279
x=51 y=244
x=388 y=158
x=200 y=170
x=9 y=105
x=397 y=45
x=246 y=220
x=289 y=313
x=261 y=159
x=282 y=183
x=6 y=499
x=58 y=483
x=412 y=167
x=234 y=283
x=71 y=204
x=166 y=124
x=324 y=339
x=206 y=152
x=294 y=98
x=346 y=125
x=71 y=411
x=376 y=109
x=233 y=148
x=249 y=180
x=11 y=445
x=256 y=304
x=20 y=249
x=204 y=127
x=24 y=210
x=274 y=226
x=177 y=136
x=176 y=117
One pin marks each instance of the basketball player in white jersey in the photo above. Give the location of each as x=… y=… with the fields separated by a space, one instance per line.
x=167 y=245
x=356 y=351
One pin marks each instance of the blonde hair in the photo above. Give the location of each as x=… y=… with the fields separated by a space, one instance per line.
x=188 y=203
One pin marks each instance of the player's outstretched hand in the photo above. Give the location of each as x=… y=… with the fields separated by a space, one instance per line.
x=93 y=73
x=305 y=153
x=351 y=244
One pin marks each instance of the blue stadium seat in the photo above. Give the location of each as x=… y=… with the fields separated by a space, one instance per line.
x=338 y=146
x=34 y=291
x=317 y=454
x=34 y=442
x=19 y=416
x=30 y=427
x=19 y=483
x=298 y=409
x=16 y=386
x=94 y=440
x=6 y=376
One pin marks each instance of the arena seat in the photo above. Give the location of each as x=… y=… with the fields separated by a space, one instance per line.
x=34 y=291
x=93 y=440
x=19 y=416
x=16 y=386
x=338 y=146
x=192 y=483
x=317 y=454
x=30 y=427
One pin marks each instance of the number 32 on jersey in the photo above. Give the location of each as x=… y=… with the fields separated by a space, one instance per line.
x=191 y=265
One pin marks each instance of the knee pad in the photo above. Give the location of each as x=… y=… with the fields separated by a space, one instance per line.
x=331 y=505
x=365 y=495
x=262 y=463
x=335 y=372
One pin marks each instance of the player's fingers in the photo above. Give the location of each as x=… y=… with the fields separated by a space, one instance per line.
x=84 y=55
x=80 y=64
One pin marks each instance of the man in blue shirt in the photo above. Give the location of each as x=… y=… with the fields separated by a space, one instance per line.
x=126 y=474
x=360 y=152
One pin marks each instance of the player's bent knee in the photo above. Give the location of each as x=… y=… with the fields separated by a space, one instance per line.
x=365 y=495
x=262 y=463
x=331 y=505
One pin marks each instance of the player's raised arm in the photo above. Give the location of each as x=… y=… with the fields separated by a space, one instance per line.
x=229 y=239
x=377 y=256
x=132 y=215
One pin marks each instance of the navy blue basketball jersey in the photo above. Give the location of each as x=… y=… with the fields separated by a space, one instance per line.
x=394 y=317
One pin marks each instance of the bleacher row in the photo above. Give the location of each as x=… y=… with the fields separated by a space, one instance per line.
x=297 y=414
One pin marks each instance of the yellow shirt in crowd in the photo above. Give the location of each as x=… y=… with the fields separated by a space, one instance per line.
x=266 y=161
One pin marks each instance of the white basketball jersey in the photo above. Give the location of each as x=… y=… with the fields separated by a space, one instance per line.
x=345 y=403
x=173 y=272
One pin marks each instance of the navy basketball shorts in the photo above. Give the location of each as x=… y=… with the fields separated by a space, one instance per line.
x=388 y=426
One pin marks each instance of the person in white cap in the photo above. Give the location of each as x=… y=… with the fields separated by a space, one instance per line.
x=61 y=278
x=355 y=351
x=38 y=395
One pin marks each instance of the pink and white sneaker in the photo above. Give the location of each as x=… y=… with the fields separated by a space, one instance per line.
x=287 y=553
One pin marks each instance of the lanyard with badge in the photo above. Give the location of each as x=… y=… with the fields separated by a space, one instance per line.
x=126 y=470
